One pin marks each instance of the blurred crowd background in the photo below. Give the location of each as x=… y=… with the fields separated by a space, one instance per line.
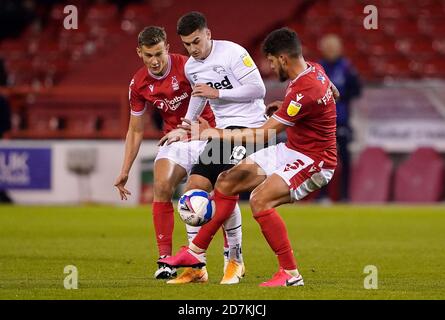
x=59 y=87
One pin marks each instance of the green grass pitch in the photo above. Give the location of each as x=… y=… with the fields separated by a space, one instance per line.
x=114 y=251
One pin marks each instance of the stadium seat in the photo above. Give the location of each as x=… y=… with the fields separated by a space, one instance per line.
x=434 y=68
x=135 y=17
x=420 y=178
x=371 y=177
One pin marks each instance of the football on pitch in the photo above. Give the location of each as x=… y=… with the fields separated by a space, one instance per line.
x=196 y=207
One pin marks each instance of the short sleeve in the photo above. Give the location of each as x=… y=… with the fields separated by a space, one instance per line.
x=137 y=103
x=241 y=62
x=292 y=109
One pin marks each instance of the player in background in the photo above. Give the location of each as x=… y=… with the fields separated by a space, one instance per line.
x=161 y=84
x=222 y=73
x=282 y=173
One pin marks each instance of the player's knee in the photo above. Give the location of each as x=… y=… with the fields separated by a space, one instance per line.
x=226 y=184
x=163 y=190
x=258 y=202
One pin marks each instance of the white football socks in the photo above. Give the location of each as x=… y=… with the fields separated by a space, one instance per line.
x=233 y=230
x=234 y=234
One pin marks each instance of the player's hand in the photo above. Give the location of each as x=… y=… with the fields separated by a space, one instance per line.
x=205 y=91
x=335 y=92
x=120 y=185
x=173 y=136
x=196 y=129
x=272 y=107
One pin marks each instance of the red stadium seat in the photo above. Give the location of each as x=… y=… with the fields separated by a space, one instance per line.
x=371 y=177
x=101 y=13
x=136 y=16
x=415 y=47
x=420 y=178
x=395 y=66
x=433 y=68
x=399 y=27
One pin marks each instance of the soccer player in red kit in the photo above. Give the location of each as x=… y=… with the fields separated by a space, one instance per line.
x=281 y=173
x=160 y=84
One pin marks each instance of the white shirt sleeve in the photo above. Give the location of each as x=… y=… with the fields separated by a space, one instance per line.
x=246 y=72
x=252 y=87
x=196 y=104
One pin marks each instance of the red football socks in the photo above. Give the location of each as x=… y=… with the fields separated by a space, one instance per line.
x=224 y=208
x=163 y=220
x=274 y=230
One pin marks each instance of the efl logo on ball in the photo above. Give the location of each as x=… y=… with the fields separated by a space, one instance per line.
x=196 y=207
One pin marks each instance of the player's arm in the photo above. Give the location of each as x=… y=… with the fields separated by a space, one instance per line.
x=133 y=141
x=134 y=137
x=195 y=108
x=335 y=92
x=252 y=87
x=201 y=130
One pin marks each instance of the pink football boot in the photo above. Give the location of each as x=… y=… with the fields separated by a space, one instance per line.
x=282 y=279
x=185 y=258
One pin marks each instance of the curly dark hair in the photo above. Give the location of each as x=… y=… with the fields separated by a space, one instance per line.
x=282 y=40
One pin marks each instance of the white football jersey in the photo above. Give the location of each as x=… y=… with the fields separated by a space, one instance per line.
x=227 y=64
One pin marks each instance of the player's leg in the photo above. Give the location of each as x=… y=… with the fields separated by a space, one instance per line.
x=242 y=177
x=295 y=177
x=273 y=192
x=234 y=268
x=188 y=275
x=233 y=262
x=167 y=176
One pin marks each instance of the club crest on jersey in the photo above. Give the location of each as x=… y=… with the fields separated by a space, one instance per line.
x=293 y=108
x=321 y=77
x=219 y=70
x=247 y=60
x=175 y=83
x=151 y=87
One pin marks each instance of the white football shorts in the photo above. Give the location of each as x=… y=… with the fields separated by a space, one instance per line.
x=185 y=154
x=299 y=171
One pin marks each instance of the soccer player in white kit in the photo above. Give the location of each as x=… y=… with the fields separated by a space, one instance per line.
x=224 y=74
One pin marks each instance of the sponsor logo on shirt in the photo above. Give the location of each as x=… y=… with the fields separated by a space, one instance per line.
x=326 y=98
x=224 y=84
x=293 y=108
x=170 y=104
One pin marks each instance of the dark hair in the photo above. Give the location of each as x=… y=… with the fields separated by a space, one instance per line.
x=282 y=40
x=151 y=35
x=191 y=22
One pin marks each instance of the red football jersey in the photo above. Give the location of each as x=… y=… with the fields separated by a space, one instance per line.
x=169 y=93
x=309 y=111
